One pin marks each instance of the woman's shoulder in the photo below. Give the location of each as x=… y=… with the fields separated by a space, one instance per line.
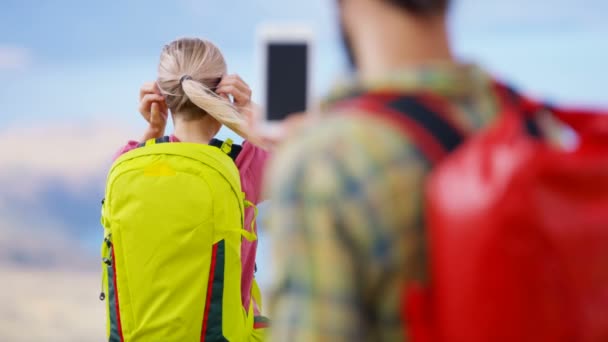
x=251 y=163
x=252 y=158
x=251 y=150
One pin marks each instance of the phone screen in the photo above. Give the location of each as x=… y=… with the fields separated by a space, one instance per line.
x=286 y=79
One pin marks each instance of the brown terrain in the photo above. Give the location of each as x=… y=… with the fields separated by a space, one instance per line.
x=50 y=289
x=50 y=305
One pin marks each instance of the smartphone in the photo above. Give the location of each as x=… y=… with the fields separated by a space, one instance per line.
x=285 y=55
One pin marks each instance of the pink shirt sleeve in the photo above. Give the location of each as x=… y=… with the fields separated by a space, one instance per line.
x=251 y=163
x=128 y=147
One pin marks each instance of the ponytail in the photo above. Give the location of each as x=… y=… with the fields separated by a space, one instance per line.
x=216 y=106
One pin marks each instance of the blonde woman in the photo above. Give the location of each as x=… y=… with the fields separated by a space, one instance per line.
x=194 y=87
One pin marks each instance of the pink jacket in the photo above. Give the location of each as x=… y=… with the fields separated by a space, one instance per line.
x=250 y=162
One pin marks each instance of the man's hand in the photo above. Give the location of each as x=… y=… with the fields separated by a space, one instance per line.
x=153 y=109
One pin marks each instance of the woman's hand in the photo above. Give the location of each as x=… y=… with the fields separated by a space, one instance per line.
x=240 y=91
x=233 y=85
x=153 y=109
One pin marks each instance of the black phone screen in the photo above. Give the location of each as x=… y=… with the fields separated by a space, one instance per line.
x=286 y=79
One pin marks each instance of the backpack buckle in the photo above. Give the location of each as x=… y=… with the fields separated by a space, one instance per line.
x=226 y=146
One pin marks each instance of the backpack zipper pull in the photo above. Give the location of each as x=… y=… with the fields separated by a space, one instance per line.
x=107 y=244
x=102 y=294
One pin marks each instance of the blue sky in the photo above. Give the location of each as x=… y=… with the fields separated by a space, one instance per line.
x=70 y=71
x=74 y=60
x=86 y=59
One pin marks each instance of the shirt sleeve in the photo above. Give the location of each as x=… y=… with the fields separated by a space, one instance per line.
x=345 y=224
x=251 y=163
x=132 y=144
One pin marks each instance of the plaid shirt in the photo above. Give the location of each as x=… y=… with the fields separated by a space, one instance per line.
x=346 y=212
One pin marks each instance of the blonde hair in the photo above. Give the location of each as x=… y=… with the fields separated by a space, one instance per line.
x=188 y=73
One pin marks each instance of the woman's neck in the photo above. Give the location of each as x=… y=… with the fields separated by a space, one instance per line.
x=199 y=131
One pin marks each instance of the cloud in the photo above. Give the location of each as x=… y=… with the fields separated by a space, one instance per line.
x=14 y=57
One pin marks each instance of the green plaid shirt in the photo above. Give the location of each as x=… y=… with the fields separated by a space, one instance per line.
x=346 y=213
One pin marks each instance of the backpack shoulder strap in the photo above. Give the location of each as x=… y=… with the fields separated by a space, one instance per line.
x=232 y=150
x=164 y=139
x=422 y=118
x=512 y=102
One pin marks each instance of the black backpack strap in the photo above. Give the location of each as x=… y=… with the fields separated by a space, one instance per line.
x=234 y=152
x=422 y=118
x=419 y=114
x=164 y=139
x=509 y=97
x=235 y=149
x=425 y=120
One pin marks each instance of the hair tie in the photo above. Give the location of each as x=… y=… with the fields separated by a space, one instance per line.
x=185 y=77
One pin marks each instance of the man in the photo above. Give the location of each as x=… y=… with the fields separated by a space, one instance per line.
x=346 y=210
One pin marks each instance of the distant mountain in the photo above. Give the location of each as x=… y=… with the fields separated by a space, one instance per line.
x=51 y=183
x=50 y=225
x=77 y=211
x=44 y=251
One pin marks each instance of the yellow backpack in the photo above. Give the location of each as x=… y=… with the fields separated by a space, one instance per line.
x=173 y=221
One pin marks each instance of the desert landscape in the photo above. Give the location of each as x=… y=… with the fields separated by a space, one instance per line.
x=50 y=305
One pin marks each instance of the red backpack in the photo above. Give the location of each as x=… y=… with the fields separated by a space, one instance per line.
x=518 y=230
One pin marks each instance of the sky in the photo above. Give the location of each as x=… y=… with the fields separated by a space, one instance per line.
x=70 y=71
x=71 y=60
